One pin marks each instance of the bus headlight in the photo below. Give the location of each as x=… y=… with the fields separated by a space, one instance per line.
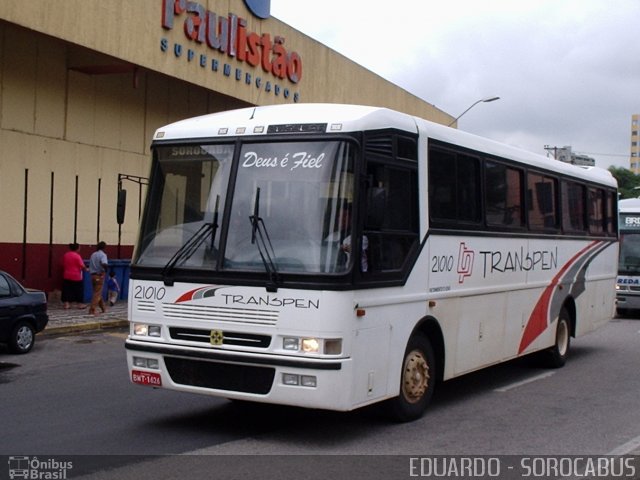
x=310 y=345
x=144 y=362
x=290 y=379
x=333 y=346
x=291 y=343
x=145 y=330
x=313 y=345
x=308 y=381
x=295 y=380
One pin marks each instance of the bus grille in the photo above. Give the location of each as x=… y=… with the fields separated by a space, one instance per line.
x=221 y=376
x=146 y=306
x=228 y=338
x=243 y=316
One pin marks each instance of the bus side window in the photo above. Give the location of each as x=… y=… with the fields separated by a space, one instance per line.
x=390 y=216
x=596 y=210
x=611 y=212
x=573 y=201
x=503 y=195
x=391 y=225
x=454 y=188
x=442 y=192
x=542 y=193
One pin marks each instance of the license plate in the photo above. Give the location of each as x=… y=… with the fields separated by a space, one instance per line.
x=146 y=378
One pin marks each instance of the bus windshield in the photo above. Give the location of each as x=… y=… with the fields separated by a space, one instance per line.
x=629 y=252
x=300 y=191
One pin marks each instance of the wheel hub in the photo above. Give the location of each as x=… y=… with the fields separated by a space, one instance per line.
x=24 y=338
x=562 y=339
x=415 y=378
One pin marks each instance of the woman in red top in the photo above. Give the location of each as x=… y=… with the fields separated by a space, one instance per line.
x=72 y=284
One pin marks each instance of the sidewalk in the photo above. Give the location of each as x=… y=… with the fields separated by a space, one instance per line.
x=63 y=321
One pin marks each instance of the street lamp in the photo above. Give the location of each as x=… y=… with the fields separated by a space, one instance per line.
x=482 y=100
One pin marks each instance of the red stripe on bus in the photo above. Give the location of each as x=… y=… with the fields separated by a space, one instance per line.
x=187 y=295
x=539 y=319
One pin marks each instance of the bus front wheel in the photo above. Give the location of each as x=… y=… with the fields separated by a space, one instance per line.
x=417 y=380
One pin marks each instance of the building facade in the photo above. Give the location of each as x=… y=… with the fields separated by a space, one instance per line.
x=567 y=155
x=634 y=156
x=85 y=83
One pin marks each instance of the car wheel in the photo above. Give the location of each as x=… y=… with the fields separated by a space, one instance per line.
x=22 y=338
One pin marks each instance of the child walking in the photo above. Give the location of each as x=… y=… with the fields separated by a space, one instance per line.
x=113 y=288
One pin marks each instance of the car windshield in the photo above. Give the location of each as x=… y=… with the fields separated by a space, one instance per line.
x=298 y=193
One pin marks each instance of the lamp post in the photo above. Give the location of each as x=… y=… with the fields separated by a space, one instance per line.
x=482 y=100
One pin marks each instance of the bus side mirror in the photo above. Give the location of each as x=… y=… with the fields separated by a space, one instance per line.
x=376 y=203
x=121 y=207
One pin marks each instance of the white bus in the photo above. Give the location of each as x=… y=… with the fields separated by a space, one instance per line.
x=333 y=256
x=628 y=284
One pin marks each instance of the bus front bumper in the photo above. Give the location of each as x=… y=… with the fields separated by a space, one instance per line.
x=268 y=378
x=627 y=301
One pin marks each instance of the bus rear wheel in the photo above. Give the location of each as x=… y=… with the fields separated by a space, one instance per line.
x=417 y=380
x=556 y=356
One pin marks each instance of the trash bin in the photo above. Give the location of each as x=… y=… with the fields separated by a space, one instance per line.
x=121 y=267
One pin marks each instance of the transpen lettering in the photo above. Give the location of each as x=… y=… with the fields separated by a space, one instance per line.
x=518 y=260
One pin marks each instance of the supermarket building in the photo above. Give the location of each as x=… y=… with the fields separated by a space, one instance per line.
x=85 y=83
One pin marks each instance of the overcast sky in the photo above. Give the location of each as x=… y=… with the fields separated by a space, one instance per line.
x=567 y=71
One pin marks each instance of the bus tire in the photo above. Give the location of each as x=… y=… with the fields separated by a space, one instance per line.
x=417 y=380
x=556 y=356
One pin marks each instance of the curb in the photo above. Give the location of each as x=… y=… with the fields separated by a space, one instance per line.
x=84 y=327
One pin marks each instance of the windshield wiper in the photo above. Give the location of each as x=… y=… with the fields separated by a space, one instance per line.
x=186 y=251
x=214 y=222
x=260 y=237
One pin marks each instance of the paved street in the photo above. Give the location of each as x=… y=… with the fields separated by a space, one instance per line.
x=71 y=396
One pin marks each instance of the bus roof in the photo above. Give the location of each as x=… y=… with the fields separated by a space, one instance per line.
x=629 y=205
x=245 y=121
x=338 y=118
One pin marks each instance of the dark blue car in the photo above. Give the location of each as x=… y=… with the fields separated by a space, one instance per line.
x=23 y=313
